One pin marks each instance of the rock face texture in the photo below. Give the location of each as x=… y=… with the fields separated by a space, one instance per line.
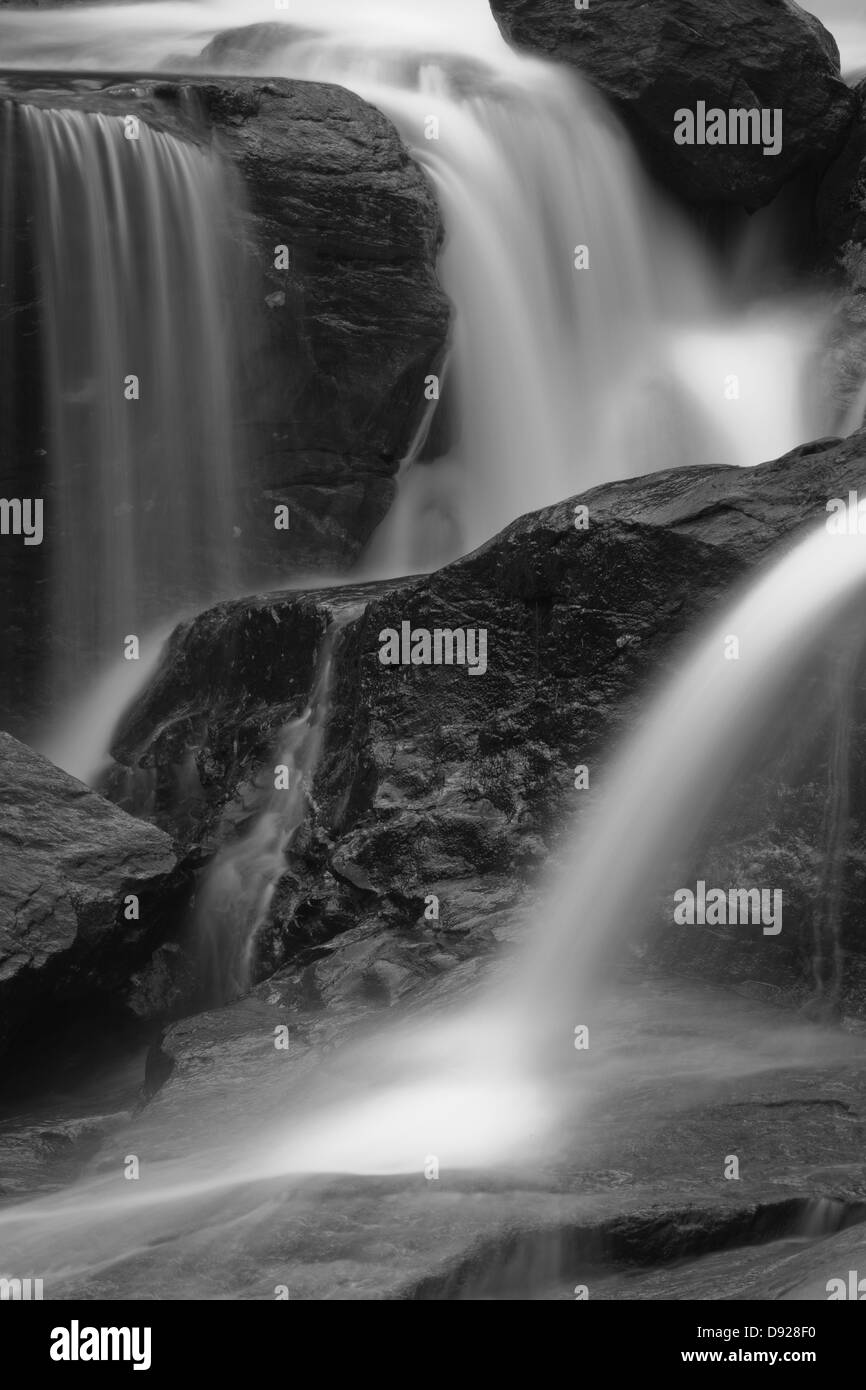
x=841 y=222
x=653 y=59
x=70 y=863
x=432 y=781
x=841 y=201
x=338 y=329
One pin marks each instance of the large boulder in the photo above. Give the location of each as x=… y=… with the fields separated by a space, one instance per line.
x=85 y=892
x=653 y=59
x=434 y=782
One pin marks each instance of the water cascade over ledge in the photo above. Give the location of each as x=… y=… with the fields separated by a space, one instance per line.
x=131 y=225
x=594 y=334
x=237 y=886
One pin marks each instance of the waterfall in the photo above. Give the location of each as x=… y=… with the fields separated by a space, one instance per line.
x=472 y=1087
x=238 y=885
x=137 y=280
x=669 y=778
x=492 y=1083
x=568 y=367
x=79 y=740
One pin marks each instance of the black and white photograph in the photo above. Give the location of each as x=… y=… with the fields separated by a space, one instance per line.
x=432 y=670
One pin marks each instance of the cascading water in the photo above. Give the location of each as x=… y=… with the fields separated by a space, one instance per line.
x=559 y=378
x=79 y=740
x=492 y=1083
x=485 y=1085
x=669 y=778
x=137 y=278
x=238 y=885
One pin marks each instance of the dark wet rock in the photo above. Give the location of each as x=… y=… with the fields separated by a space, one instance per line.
x=71 y=866
x=841 y=223
x=450 y=789
x=165 y=982
x=651 y=60
x=436 y=784
x=841 y=200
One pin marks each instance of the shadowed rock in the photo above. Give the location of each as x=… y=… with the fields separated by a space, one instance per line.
x=69 y=861
x=840 y=211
